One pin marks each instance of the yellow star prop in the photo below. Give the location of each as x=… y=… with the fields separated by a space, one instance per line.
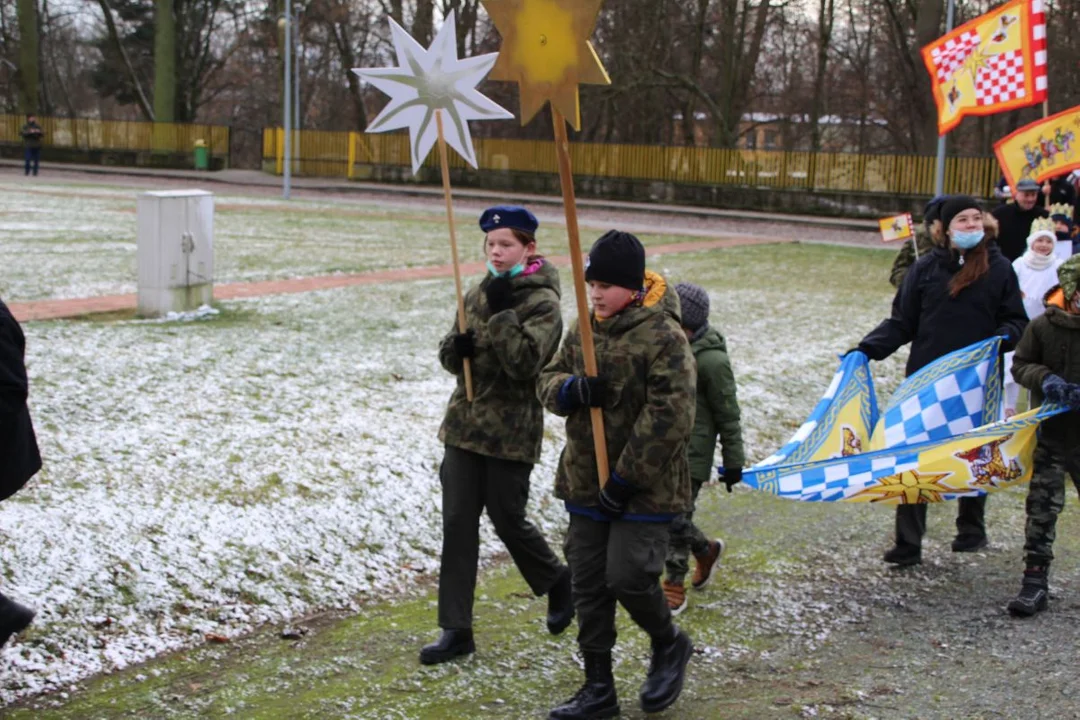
x=909 y=487
x=546 y=51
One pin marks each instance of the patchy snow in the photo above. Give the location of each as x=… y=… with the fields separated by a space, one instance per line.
x=281 y=455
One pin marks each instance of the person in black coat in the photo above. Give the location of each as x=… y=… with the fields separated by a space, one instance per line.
x=1015 y=218
x=962 y=293
x=19 y=456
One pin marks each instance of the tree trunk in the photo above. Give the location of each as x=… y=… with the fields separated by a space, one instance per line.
x=817 y=105
x=29 y=68
x=164 y=62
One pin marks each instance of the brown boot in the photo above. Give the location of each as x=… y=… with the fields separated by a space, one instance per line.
x=675 y=594
x=706 y=564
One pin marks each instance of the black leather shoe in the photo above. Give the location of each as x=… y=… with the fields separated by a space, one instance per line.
x=968 y=543
x=904 y=555
x=451 y=644
x=667 y=670
x=596 y=699
x=560 y=605
x=14 y=618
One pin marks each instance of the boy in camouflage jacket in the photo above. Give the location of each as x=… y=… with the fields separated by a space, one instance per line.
x=717 y=414
x=514 y=323
x=618 y=535
x=1047 y=361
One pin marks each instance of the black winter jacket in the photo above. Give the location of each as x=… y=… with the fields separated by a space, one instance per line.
x=19 y=457
x=1014 y=228
x=936 y=324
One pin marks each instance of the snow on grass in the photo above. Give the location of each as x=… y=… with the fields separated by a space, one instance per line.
x=207 y=476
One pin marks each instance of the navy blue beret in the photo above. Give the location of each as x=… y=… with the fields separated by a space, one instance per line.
x=509 y=216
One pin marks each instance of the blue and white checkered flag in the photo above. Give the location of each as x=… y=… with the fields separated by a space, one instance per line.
x=958 y=392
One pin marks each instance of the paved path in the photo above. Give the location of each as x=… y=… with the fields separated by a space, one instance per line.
x=78 y=307
x=256 y=178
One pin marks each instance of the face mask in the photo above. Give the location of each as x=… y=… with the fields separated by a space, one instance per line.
x=967 y=240
x=511 y=273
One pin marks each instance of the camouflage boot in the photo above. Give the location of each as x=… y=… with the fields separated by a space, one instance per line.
x=1034 y=593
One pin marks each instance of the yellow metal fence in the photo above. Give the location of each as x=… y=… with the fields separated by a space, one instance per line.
x=91 y=134
x=341 y=153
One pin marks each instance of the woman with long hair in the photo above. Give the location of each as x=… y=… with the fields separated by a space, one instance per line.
x=963 y=292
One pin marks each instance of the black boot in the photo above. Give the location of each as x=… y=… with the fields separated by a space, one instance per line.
x=1034 y=593
x=451 y=644
x=596 y=698
x=968 y=542
x=666 y=671
x=904 y=555
x=560 y=604
x=13 y=618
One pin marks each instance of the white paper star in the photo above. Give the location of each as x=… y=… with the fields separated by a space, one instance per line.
x=426 y=81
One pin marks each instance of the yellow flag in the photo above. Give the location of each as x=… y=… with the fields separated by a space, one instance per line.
x=1044 y=149
x=991 y=64
x=897 y=227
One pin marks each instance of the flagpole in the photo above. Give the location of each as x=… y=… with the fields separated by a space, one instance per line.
x=462 y=322
x=939 y=170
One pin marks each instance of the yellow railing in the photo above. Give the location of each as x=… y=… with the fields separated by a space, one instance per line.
x=341 y=154
x=90 y=134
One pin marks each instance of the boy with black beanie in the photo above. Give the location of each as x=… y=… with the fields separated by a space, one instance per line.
x=619 y=525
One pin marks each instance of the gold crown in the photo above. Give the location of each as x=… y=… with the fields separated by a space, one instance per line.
x=1061 y=209
x=1040 y=224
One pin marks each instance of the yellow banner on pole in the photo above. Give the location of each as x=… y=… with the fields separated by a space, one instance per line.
x=1042 y=150
x=897 y=227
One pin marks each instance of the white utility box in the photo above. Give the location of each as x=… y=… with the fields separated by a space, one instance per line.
x=175 y=251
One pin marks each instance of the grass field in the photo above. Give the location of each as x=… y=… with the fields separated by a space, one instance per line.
x=277 y=462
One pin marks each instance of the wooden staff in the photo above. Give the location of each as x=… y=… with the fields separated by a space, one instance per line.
x=566 y=179
x=462 y=326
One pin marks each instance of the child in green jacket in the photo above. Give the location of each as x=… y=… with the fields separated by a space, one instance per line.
x=717 y=414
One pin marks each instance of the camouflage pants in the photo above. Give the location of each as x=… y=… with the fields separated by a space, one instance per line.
x=1045 y=501
x=686 y=539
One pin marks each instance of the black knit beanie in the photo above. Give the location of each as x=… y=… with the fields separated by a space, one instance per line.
x=956 y=205
x=617 y=258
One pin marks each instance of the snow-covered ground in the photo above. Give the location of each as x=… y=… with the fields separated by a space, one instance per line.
x=206 y=476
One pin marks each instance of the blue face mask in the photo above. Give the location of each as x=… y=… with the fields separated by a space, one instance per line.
x=511 y=273
x=967 y=240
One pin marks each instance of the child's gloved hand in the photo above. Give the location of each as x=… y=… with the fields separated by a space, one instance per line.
x=613 y=497
x=1055 y=390
x=465 y=344
x=730 y=476
x=499 y=294
x=588 y=391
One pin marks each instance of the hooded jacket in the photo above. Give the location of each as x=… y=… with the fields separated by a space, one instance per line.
x=646 y=358
x=1051 y=346
x=935 y=323
x=717 y=408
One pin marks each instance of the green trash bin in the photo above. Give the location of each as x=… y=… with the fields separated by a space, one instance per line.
x=202 y=156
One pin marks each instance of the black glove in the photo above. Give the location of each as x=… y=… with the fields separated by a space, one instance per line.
x=465 y=344
x=499 y=294
x=1055 y=390
x=589 y=391
x=731 y=477
x=613 y=497
x=1072 y=396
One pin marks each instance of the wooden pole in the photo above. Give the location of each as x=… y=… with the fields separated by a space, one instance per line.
x=566 y=179
x=462 y=326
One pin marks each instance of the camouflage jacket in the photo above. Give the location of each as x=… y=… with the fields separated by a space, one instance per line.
x=1051 y=346
x=717 y=408
x=644 y=354
x=906 y=257
x=505 y=419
